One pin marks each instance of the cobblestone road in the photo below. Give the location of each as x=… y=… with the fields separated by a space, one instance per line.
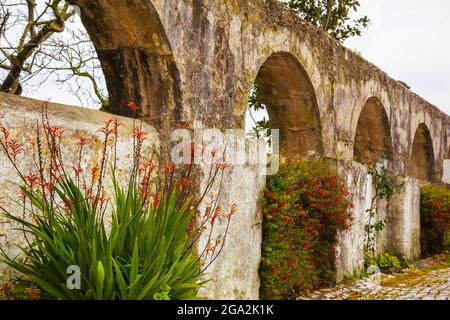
x=426 y=280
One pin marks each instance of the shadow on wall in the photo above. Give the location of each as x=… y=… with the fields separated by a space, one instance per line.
x=422 y=158
x=373 y=136
x=291 y=104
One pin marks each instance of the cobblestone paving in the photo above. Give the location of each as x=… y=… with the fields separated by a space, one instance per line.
x=426 y=280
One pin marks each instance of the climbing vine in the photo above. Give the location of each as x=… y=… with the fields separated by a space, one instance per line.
x=385 y=187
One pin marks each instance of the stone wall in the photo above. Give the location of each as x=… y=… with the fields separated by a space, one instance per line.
x=235 y=274
x=190 y=60
x=211 y=52
x=400 y=237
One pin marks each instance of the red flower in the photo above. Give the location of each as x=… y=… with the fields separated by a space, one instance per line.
x=106 y=130
x=33 y=293
x=67 y=204
x=156 y=201
x=15 y=148
x=76 y=171
x=216 y=214
x=5 y=133
x=54 y=131
x=208 y=212
x=22 y=197
x=132 y=106
x=139 y=135
x=168 y=168
x=7 y=287
x=232 y=212
x=185 y=182
x=32 y=180
x=82 y=141
x=103 y=199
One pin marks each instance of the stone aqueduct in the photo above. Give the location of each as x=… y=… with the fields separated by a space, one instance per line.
x=197 y=60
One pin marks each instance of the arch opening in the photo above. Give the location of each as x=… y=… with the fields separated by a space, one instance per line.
x=285 y=95
x=373 y=140
x=283 y=98
x=422 y=162
x=136 y=58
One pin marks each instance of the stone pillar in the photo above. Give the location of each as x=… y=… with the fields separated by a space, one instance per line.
x=350 y=244
x=403 y=221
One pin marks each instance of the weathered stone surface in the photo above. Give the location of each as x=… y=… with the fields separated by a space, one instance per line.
x=189 y=60
x=350 y=244
x=402 y=234
x=233 y=275
x=217 y=49
x=20 y=116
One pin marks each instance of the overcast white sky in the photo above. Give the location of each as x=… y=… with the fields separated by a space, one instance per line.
x=408 y=39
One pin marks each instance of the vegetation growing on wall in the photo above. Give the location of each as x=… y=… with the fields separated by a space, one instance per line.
x=147 y=250
x=304 y=206
x=434 y=219
x=385 y=187
x=333 y=17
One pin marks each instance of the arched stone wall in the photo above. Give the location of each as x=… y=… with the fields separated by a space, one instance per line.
x=373 y=137
x=196 y=60
x=136 y=58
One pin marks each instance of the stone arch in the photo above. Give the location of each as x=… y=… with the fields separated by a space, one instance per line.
x=291 y=103
x=373 y=135
x=422 y=163
x=136 y=58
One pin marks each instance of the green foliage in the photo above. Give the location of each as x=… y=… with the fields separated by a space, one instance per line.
x=331 y=16
x=260 y=128
x=434 y=219
x=145 y=255
x=385 y=187
x=386 y=262
x=447 y=241
x=145 y=250
x=356 y=275
x=304 y=206
x=384 y=182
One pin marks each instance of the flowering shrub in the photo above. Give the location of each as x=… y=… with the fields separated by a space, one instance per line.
x=304 y=206
x=434 y=218
x=146 y=250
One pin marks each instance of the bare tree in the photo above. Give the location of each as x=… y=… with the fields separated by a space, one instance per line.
x=31 y=26
x=72 y=61
x=45 y=41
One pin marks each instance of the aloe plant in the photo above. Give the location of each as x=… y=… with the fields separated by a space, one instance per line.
x=146 y=254
x=148 y=249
